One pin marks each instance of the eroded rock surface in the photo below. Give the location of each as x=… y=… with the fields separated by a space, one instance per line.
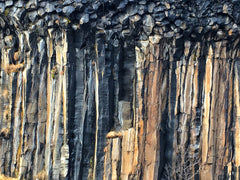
x=108 y=89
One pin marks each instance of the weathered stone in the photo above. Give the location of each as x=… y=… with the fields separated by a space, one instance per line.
x=93 y=16
x=169 y=34
x=41 y=12
x=126 y=32
x=178 y=22
x=2 y=7
x=167 y=5
x=171 y=15
x=159 y=16
x=68 y=10
x=9 y=41
x=148 y=23
x=84 y=19
x=31 y=4
x=49 y=7
x=32 y=15
x=142 y=9
x=19 y=14
x=67 y=2
x=125 y=114
x=8 y=3
x=198 y=29
x=132 y=10
x=19 y=4
x=122 y=4
x=154 y=39
x=159 y=9
x=151 y=7
x=135 y=18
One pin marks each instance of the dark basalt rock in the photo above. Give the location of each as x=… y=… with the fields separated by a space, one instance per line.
x=119 y=89
x=68 y=10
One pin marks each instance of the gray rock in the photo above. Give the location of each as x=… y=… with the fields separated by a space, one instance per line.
x=151 y=7
x=142 y=2
x=147 y=30
x=89 y=10
x=122 y=4
x=222 y=20
x=50 y=23
x=220 y=33
x=75 y=27
x=41 y=11
x=40 y=23
x=19 y=14
x=143 y=37
x=58 y=9
x=32 y=15
x=8 y=3
x=96 y=5
x=67 y=2
x=12 y=11
x=212 y=20
x=2 y=23
x=227 y=20
x=171 y=15
x=225 y=8
x=19 y=4
x=84 y=19
x=43 y=4
x=49 y=8
x=68 y=10
x=159 y=16
x=178 y=22
x=228 y=26
x=31 y=4
x=148 y=21
x=235 y=28
x=94 y=16
x=135 y=18
x=141 y=9
x=9 y=41
x=116 y=43
x=84 y=1
x=132 y=10
x=198 y=29
x=2 y=7
x=154 y=39
x=169 y=34
x=159 y=9
x=164 y=23
x=122 y=18
x=167 y=5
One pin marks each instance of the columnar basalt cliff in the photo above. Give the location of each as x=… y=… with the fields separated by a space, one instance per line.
x=120 y=89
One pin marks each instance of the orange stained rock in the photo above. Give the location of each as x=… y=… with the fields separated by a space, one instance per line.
x=114 y=134
x=13 y=68
x=2 y=177
x=5 y=93
x=207 y=89
x=127 y=153
x=237 y=117
x=16 y=56
x=116 y=156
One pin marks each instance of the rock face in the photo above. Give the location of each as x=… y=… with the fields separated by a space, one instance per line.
x=109 y=89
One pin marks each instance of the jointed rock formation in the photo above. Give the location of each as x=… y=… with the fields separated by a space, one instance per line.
x=120 y=89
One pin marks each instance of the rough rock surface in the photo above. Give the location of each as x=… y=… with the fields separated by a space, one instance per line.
x=129 y=89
